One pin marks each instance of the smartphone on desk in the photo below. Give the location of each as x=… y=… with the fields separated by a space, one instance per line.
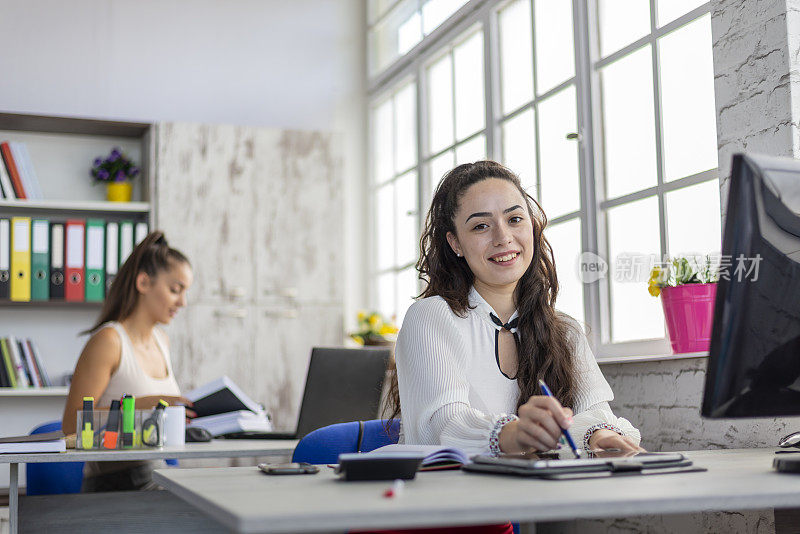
x=289 y=469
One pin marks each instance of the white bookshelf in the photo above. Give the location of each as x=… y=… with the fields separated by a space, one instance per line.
x=76 y=206
x=62 y=150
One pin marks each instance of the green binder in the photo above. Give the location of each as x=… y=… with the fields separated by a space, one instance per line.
x=6 y=357
x=40 y=259
x=95 y=260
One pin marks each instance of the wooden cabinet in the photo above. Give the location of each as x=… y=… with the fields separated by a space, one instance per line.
x=259 y=214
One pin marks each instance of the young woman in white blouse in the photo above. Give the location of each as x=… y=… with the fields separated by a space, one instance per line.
x=471 y=351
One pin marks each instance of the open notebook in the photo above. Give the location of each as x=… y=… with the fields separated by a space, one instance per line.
x=436 y=456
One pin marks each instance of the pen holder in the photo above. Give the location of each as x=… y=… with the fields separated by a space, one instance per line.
x=148 y=430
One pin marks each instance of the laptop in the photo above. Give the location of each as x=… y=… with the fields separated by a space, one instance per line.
x=342 y=385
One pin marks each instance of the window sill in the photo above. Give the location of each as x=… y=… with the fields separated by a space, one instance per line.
x=651 y=358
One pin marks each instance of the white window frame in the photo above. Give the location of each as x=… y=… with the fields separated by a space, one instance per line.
x=590 y=129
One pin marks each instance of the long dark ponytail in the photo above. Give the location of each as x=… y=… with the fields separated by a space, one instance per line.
x=152 y=256
x=546 y=351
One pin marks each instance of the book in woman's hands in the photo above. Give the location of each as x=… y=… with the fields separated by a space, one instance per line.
x=221 y=396
x=436 y=456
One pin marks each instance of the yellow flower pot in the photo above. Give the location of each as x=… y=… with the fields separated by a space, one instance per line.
x=119 y=191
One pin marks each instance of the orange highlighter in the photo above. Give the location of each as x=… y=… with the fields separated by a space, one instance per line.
x=111 y=433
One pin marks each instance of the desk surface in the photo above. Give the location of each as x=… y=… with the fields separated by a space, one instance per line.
x=218 y=448
x=246 y=500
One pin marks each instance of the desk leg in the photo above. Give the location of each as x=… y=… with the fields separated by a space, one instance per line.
x=13 y=498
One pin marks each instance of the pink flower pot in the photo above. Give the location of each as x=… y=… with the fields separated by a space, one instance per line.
x=689 y=312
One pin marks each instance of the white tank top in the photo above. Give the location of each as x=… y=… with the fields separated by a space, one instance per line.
x=130 y=378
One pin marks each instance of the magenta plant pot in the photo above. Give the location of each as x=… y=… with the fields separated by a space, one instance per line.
x=689 y=312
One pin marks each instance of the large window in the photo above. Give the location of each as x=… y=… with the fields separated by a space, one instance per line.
x=605 y=108
x=395 y=184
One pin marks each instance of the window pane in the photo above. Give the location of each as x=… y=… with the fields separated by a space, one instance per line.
x=565 y=239
x=386 y=294
x=406 y=218
x=669 y=10
x=405 y=120
x=687 y=98
x=439 y=166
x=516 y=55
x=633 y=240
x=434 y=12
x=559 y=155
x=440 y=104
x=621 y=22
x=468 y=63
x=409 y=34
x=629 y=123
x=376 y=8
x=693 y=220
x=472 y=150
x=555 y=55
x=384 y=228
x=406 y=291
x=519 y=149
x=382 y=153
x=391 y=35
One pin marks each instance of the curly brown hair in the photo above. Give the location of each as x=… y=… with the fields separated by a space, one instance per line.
x=546 y=350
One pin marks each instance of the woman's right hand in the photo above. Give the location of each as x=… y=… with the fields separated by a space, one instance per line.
x=538 y=427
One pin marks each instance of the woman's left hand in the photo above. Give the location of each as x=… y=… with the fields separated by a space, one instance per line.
x=608 y=439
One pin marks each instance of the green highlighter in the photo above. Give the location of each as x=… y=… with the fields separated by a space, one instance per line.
x=128 y=409
x=87 y=432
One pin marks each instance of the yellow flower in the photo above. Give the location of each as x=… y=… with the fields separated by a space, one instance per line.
x=358 y=339
x=654 y=289
x=361 y=315
x=387 y=329
x=374 y=319
x=656 y=280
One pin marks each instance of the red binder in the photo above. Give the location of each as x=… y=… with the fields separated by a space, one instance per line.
x=74 y=271
x=13 y=171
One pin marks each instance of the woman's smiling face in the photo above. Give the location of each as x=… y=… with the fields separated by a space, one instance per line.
x=494 y=232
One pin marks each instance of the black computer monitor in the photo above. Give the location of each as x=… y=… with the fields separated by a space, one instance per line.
x=754 y=360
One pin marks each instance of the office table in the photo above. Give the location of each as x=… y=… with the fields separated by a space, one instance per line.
x=218 y=448
x=245 y=500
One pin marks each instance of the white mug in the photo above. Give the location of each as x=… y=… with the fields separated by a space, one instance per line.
x=175 y=421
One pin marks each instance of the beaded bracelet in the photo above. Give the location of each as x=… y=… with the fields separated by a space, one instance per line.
x=598 y=426
x=494 y=436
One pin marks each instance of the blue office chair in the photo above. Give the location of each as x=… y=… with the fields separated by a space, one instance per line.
x=324 y=445
x=53 y=478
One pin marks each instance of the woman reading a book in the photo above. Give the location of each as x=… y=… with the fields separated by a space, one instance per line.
x=471 y=352
x=128 y=354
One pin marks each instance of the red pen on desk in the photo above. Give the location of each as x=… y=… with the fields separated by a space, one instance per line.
x=396 y=490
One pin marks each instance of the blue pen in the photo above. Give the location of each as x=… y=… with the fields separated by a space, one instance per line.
x=546 y=391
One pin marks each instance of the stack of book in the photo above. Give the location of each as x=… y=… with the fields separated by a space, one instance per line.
x=18 y=178
x=223 y=408
x=49 y=442
x=21 y=365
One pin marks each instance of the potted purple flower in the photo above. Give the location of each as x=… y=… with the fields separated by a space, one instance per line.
x=116 y=171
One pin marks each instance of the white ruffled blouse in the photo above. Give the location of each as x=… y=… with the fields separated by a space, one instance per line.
x=452 y=391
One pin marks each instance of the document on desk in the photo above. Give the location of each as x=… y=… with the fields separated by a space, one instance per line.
x=570 y=469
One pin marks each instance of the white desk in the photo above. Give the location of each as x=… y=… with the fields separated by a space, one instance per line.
x=246 y=500
x=219 y=448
